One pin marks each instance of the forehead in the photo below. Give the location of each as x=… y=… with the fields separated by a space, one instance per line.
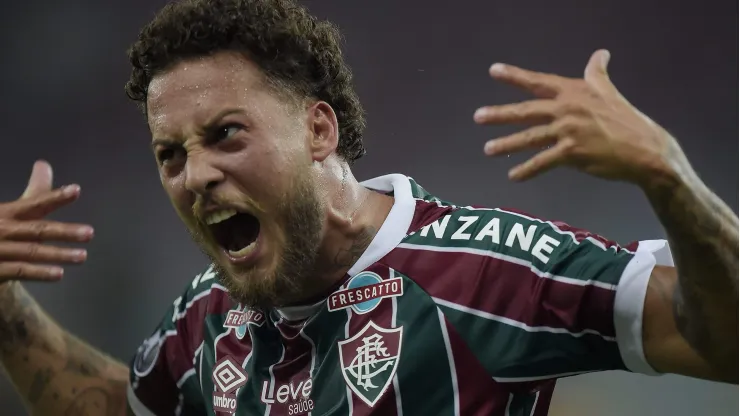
x=193 y=90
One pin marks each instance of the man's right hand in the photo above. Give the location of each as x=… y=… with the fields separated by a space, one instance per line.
x=55 y=373
x=24 y=233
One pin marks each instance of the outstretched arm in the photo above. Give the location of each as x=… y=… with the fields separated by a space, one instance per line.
x=690 y=315
x=701 y=293
x=54 y=372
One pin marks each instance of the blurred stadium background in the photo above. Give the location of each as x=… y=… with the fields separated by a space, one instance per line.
x=421 y=71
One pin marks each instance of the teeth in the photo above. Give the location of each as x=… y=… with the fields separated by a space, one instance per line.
x=243 y=252
x=221 y=215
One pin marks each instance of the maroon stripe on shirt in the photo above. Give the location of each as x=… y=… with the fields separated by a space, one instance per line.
x=219 y=302
x=292 y=386
x=479 y=394
x=190 y=330
x=426 y=213
x=632 y=246
x=382 y=316
x=178 y=351
x=157 y=390
x=227 y=343
x=507 y=289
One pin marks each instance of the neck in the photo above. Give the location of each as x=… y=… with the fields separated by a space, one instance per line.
x=354 y=214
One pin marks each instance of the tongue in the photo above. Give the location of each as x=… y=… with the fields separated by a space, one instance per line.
x=240 y=241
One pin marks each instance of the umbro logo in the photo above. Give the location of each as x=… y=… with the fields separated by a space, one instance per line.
x=227 y=376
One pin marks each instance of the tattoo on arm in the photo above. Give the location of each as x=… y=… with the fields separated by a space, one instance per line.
x=94 y=401
x=671 y=295
x=54 y=368
x=22 y=317
x=703 y=233
x=91 y=364
x=679 y=314
x=41 y=380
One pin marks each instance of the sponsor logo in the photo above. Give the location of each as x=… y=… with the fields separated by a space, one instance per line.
x=296 y=396
x=147 y=354
x=227 y=376
x=224 y=402
x=238 y=320
x=364 y=293
x=369 y=361
x=521 y=236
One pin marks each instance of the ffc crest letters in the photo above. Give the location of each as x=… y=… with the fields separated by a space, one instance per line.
x=369 y=361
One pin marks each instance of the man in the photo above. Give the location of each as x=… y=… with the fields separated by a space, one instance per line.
x=331 y=297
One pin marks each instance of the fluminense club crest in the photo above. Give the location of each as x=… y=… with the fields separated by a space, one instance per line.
x=369 y=361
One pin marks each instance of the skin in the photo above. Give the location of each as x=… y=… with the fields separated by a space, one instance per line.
x=276 y=159
x=223 y=137
x=55 y=373
x=690 y=322
x=290 y=147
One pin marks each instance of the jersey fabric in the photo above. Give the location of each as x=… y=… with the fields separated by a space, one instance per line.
x=451 y=310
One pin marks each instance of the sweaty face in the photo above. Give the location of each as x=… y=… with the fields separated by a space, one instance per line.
x=233 y=158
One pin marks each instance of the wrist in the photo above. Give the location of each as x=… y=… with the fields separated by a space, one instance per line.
x=668 y=176
x=7 y=289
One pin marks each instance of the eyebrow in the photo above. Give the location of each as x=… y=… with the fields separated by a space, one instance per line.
x=207 y=126
x=162 y=142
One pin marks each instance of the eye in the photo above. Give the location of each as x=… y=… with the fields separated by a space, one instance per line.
x=226 y=131
x=167 y=154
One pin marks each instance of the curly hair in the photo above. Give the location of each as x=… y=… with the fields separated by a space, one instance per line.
x=297 y=53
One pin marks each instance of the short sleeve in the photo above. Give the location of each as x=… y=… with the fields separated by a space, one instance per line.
x=163 y=379
x=537 y=299
x=629 y=301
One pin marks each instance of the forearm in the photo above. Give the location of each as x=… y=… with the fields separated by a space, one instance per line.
x=56 y=373
x=703 y=234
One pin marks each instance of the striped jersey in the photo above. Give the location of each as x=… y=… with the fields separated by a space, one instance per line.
x=451 y=310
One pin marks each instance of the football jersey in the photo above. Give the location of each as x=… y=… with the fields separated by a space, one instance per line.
x=451 y=310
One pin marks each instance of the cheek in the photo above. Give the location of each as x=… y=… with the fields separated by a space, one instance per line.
x=180 y=198
x=262 y=171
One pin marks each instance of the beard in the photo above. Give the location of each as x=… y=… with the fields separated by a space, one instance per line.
x=299 y=211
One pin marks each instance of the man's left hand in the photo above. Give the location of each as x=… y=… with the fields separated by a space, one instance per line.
x=584 y=123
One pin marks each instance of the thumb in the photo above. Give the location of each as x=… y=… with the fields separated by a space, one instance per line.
x=596 y=71
x=40 y=180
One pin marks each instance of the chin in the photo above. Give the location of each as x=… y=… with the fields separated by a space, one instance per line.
x=256 y=285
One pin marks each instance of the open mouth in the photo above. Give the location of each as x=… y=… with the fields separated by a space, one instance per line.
x=236 y=232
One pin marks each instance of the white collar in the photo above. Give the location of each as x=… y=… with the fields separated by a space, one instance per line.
x=395 y=226
x=389 y=235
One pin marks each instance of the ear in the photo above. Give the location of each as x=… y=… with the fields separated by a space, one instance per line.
x=324 y=129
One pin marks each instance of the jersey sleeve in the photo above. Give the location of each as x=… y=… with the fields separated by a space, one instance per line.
x=536 y=299
x=163 y=377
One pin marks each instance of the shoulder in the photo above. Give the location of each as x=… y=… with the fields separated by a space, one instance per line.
x=182 y=322
x=509 y=235
x=202 y=285
x=180 y=330
x=203 y=296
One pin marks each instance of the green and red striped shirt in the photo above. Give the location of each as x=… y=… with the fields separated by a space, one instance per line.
x=452 y=310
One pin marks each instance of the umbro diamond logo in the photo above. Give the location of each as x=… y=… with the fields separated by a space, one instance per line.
x=227 y=376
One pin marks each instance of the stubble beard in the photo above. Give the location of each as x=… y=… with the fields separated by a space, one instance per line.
x=300 y=215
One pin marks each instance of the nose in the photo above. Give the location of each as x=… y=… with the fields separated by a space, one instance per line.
x=201 y=175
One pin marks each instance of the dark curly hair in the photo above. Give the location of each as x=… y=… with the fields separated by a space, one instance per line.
x=298 y=53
